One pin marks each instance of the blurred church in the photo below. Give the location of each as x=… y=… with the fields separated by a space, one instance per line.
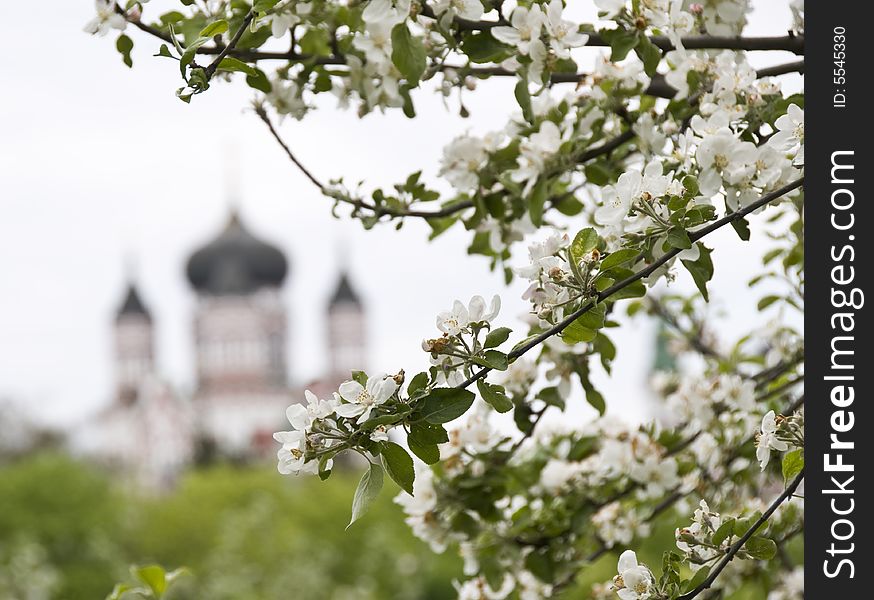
x=151 y=430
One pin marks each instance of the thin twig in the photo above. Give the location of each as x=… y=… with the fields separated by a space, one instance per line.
x=449 y=209
x=210 y=70
x=655 y=265
x=736 y=547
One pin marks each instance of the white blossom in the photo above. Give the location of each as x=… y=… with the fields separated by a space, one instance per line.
x=471 y=10
x=535 y=151
x=525 y=28
x=634 y=581
x=790 y=134
x=106 y=19
x=292 y=454
x=563 y=34
x=302 y=417
x=768 y=440
x=363 y=399
x=610 y=7
x=462 y=160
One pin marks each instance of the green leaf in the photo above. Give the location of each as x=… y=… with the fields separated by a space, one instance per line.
x=153 y=576
x=551 y=396
x=259 y=82
x=577 y=332
x=164 y=51
x=324 y=471
x=367 y=491
x=493 y=359
x=767 y=301
x=537 y=201
x=262 y=6
x=678 y=238
x=124 y=45
x=793 y=464
x=622 y=41
x=632 y=290
x=523 y=97
x=742 y=228
x=481 y=47
x=214 y=29
x=761 y=548
x=540 y=565
x=690 y=184
x=189 y=53
x=418 y=383
x=496 y=337
x=408 y=53
x=649 y=54
x=723 y=532
x=428 y=433
x=597 y=173
x=445 y=404
x=619 y=258
x=742 y=524
x=701 y=270
x=594 y=317
x=596 y=399
x=229 y=63
x=121 y=588
x=496 y=360
x=584 y=328
x=584 y=242
x=696 y=580
x=428 y=453
x=398 y=465
x=494 y=395
x=408 y=108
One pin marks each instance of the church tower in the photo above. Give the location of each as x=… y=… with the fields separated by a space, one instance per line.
x=240 y=336
x=346 y=333
x=134 y=346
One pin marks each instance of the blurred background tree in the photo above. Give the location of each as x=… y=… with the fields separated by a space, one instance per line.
x=244 y=533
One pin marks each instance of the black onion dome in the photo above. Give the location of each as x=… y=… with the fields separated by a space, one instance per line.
x=344 y=294
x=236 y=262
x=133 y=305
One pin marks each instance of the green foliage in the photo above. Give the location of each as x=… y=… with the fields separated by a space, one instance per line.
x=445 y=404
x=244 y=534
x=495 y=396
x=366 y=492
x=125 y=45
x=398 y=465
x=793 y=464
x=408 y=53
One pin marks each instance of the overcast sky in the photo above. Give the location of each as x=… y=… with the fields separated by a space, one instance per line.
x=104 y=172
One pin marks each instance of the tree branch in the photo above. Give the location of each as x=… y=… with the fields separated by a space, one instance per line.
x=672 y=498
x=736 y=547
x=601 y=296
x=788 y=43
x=210 y=70
x=446 y=211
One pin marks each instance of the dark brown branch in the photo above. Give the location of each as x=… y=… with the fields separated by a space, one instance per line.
x=789 y=43
x=658 y=87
